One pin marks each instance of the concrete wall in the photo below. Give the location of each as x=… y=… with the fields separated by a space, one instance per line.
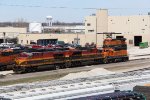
x=129 y=26
x=90 y=24
x=84 y=38
x=136 y=24
x=11 y=32
x=102 y=20
x=68 y=38
x=130 y=37
x=97 y=23
x=139 y=24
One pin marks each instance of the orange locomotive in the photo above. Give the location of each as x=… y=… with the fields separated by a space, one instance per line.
x=7 y=57
x=113 y=50
x=30 y=61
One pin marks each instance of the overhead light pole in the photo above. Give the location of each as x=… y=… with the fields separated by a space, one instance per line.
x=96 y=31
x=77 y=38
x=4 y=38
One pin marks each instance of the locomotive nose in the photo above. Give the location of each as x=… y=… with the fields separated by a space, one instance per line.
x=17 y=62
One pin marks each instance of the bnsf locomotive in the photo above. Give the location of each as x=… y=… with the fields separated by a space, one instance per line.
x=113 y=50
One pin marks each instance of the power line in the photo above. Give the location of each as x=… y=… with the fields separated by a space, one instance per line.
x=64 y=7
x=38 y=6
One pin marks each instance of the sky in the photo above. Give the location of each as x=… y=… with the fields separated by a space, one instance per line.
x=67 y=10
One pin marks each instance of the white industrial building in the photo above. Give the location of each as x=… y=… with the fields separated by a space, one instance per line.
x=136 y=28
x=48 y=27
x=35 y=27
x=64 y=29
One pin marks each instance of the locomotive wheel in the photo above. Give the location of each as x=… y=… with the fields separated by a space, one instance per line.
x=75 y=64
x=57 y=67
x=67 y=64
x=19 y=70
x=79 y=63
x=3 y=68
x=96 y=61
x=124 y=59
x=31 y=69
x=28 y=70
x=34 y=69
x=105 y=61
x=114 y=60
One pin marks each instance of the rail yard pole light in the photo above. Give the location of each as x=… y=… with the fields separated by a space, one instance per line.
x=96 y=31
x=4 y=38
x=77 y=38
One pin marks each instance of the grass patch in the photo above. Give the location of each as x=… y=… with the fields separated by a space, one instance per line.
x=32 y=79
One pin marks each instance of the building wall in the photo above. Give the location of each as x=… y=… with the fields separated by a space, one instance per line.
x=136 y=24
x=97 y=23
x=129 y=26
x=130 y=37
x=84 y=38
x=139 y=24
x=66 y=29
x=90 y=25
x=102 y=20
x=68 y=38
x=11 y=32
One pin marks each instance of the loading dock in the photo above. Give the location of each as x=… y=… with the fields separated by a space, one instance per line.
x=1 y=40
x=137 y=40
x=118 y=37
x=46 y=41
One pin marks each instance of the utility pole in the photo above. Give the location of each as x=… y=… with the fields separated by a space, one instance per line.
x=77 y=39
x=4 y=38
x=96 y=31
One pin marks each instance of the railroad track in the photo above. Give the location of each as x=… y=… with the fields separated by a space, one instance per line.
x=9 y=67
x=139 y=73
x=126 y=66
x=61 y=89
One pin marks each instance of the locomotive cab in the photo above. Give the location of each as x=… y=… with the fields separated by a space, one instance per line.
x=114 y=50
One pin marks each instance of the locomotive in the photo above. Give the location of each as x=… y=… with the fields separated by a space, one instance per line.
x=113 y=50
x=7 y=57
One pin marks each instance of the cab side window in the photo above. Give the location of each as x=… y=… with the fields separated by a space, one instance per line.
x=6 y=53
